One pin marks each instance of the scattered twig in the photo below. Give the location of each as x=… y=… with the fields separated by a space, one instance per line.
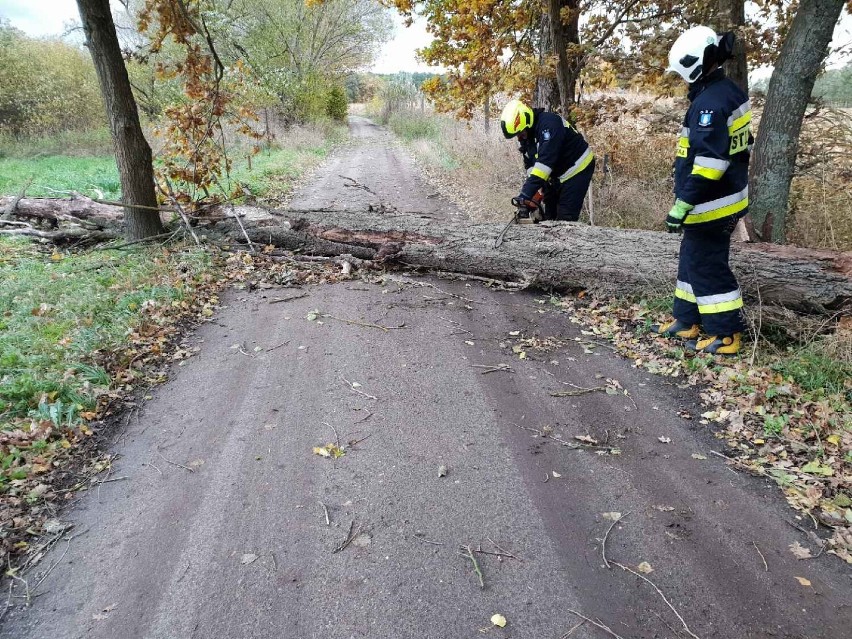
x=574 y=393
x=765 y=565
x=468 y=553
x=659 y=592
x=155 y=468
x=107 y=481
x=429 y=541
x=349 y=538
x=278 y=300
x=364 y=324
x=357 y=185
x=355 y=442
x=325 y=510
x=597 y=623
x=360 y=392
x=457 y=325
x=242 y=228
x=546 y=478
x=269 y=350
x=364 y=419
x=502 y=552
x=168 y=461
x=493 y=368
x=336 y=436
x=571 y=632
x=609 y=530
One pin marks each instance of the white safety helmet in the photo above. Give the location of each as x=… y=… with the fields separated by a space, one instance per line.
x=686 y=57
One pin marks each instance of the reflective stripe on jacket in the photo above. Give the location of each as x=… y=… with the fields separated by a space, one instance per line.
x=556 y=150
x=713 y=151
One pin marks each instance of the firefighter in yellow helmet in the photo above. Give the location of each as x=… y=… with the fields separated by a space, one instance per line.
x=557 y=158
x=711 y=190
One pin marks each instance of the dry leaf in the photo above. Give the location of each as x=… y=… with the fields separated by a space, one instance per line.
x=442 y=471
x=665 y=440
x=498 y=620
x=697 y=456
x=664 y=509
x=248 y=558
x=586 y=438
x=800 y=551
x=613 y=516
x=645 y=568
x=555 y=474
x=319 y=450
x=803 y=581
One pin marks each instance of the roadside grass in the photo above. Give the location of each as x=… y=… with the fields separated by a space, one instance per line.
x=60 y=311
x=78 y=331
x=83 y=163
x=55 y=175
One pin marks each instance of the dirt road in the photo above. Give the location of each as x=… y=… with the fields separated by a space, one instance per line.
x=220 y=529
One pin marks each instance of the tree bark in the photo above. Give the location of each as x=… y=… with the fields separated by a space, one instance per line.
x=790 y=86
x=555 y=255
x=731 y=16
x=132 y=152
x=546 y=94
x=563 y=33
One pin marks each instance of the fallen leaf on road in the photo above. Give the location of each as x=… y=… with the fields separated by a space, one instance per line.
x=196 y=463
x=665 y=440
x=613 y=516
x=555 y=474
x=514 y=333
x=697 y=456
x=664 y=509
x=803 y=581
x=645 y=568
x=442 y=471
x=800 y=551
x=498 y=620
x=248 y=558
x=329 y=450
x=586 y=438
x=468 y=342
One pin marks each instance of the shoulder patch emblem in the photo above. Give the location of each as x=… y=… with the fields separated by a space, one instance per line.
x=545 y=135
x=705 y=118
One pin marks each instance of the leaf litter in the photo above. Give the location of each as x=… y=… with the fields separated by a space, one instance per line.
x=772 y=427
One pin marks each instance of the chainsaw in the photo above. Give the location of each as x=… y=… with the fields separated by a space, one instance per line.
x=526 y=212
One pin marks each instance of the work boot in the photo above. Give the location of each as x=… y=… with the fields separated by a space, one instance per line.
x=676 y=328
x=727 y=345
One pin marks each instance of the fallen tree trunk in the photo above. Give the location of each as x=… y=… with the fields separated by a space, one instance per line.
x=561 y=256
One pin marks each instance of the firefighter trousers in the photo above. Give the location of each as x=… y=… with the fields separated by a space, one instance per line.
x=707 y=292
x=564 y=200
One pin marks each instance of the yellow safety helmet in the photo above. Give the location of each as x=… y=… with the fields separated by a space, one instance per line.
x=516 y=117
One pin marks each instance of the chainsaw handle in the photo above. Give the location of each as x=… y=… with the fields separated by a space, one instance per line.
x=525 y=204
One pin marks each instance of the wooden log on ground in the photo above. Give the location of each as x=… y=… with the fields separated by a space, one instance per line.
x=554 y=255
x=53 y=209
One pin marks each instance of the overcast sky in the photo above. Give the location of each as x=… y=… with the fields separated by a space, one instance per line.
x=48 y=17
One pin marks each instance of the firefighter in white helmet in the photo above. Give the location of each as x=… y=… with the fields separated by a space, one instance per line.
x=711 y=191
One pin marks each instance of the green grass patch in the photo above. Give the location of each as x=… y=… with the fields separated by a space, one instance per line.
x=813 y=369
x=58 y=311
x=92 y=176
x=411 y=126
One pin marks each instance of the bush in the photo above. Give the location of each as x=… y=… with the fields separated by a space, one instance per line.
x=48 y=87
x=337 y=106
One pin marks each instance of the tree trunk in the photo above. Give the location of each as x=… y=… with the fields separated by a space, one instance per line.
x=546 y=94
x=790 y=89
x=486 y=112
x=732 y=18
x=132 y=153
x=561 y=35
x=554 y=255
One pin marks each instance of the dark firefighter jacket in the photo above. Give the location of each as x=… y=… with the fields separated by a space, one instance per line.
x=555 y=150
x=711 y=167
